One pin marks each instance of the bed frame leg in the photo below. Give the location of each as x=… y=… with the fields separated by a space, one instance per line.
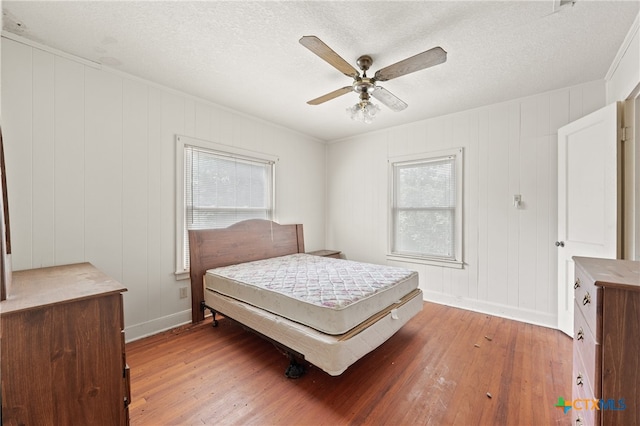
x=295 y=369
x=214 y=323
x=204 y=307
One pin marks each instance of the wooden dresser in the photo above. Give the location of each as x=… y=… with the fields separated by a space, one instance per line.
x=62 y=347
x=606 y=346
x=327 y=253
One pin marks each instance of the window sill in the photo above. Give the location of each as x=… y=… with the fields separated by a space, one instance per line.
x=182 y=275
x=456 y=264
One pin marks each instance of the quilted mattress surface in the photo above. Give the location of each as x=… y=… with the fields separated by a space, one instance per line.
x=329 y=295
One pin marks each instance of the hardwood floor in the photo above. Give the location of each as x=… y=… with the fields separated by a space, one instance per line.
x=438 y=369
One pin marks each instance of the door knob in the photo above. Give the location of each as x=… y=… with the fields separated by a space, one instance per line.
x=559 y=243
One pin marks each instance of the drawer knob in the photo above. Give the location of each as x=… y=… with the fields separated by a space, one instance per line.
x=579 y=379
x=580 y=335
x=577 y=284
x=586 y=299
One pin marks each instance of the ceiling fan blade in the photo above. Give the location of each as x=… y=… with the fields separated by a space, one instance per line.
x=332 y=95
x=318 y=47
x=418 y=62
x=389 y=99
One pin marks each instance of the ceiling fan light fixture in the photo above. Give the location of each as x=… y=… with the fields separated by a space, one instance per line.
x=364 y=111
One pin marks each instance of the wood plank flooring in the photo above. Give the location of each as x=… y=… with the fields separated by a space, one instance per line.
x=437 y=370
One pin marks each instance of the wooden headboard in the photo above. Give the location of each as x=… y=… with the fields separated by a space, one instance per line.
x=242 y=242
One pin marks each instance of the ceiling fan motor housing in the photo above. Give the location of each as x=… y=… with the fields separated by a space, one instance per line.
x=364 y=86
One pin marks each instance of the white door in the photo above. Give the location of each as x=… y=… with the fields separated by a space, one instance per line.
x=587 y=199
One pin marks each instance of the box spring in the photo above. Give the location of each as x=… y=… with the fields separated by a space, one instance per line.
x=332 y=353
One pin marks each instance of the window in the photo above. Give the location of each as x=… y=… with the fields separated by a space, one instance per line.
x=217 y=187
x=426 y=208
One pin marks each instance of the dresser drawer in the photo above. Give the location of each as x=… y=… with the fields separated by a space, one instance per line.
x=582 y=413
x=590 y=352
x=588 y=299
x=582 y=394
x=580 y=378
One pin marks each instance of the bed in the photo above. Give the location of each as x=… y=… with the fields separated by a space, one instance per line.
x=329 y=312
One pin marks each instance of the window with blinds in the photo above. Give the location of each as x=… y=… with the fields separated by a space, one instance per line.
x=222 y=188
x=426 y=207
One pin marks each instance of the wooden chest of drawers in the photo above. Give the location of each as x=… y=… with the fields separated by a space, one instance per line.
x=62 y=347
x=606 y=346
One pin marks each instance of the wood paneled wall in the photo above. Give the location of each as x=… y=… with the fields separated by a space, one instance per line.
x=91 y=174
x=510 y=148
x=91 y=169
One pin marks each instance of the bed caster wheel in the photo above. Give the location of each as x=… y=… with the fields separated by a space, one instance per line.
x=214 y=323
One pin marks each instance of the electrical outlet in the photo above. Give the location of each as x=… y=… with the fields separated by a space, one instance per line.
x=183 y=292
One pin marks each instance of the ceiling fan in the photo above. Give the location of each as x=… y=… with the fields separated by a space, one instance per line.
x=366 y=86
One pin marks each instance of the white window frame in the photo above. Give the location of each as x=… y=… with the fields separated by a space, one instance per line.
x=219 y=149
x=457 y=259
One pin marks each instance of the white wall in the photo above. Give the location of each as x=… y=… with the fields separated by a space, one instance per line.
x=624 y=74
x=91 y=174
x=0 y=73
x=510 y=148
x=91 y=178
x=623 y=82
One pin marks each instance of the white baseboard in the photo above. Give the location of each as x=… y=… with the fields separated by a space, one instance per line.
x=518 y=314
x=158 y=325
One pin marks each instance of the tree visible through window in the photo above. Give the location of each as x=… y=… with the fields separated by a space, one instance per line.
x=426 y=207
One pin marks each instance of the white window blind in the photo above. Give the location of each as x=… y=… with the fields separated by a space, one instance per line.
x=426 y=207
x=221 y=189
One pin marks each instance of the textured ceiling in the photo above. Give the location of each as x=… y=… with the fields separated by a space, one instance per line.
x=246 y=56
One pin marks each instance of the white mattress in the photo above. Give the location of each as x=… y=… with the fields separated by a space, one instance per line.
x=330 y=295
x=333 y=354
